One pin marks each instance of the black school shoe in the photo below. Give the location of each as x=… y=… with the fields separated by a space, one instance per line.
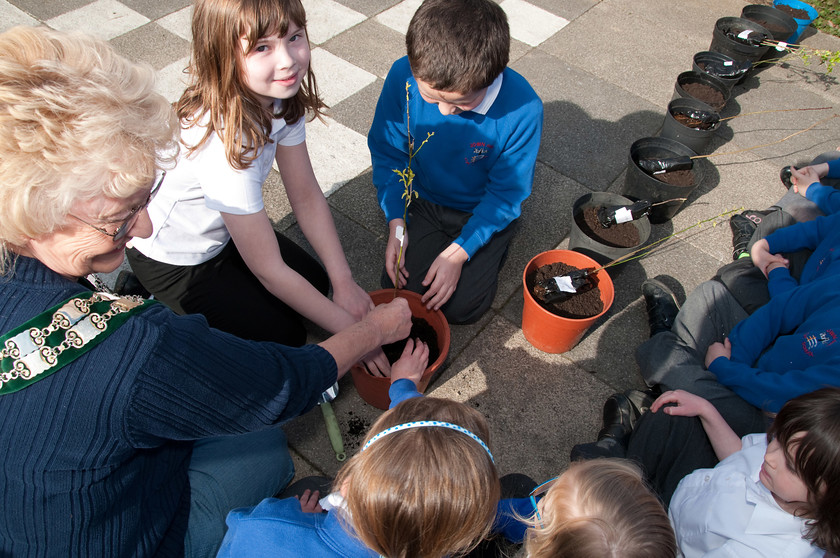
x=661 y=305
x=785 y=177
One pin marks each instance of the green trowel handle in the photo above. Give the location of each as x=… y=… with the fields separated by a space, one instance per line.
x=333 y=431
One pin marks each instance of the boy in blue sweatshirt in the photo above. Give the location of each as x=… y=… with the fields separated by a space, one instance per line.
x=482 y=122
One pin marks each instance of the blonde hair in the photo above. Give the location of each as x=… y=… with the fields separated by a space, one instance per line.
x=77 y=121
x=218 y=93
x=422 y=492
x=600 y=508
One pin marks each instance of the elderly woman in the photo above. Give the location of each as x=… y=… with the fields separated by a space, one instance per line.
x=135 y=431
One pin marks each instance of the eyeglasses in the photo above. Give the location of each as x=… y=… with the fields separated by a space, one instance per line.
x=536 y=492
x=122 y=230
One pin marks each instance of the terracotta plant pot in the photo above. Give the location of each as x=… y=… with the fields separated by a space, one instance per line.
x=374 y=389
x=549 y=332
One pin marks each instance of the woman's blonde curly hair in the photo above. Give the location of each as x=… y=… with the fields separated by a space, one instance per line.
x=77 y=121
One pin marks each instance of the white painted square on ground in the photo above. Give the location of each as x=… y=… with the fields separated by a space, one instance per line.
x=10 y=17
x=530 y=24
x=325 y=19
x=105 y=19
x=338 y=153
x=179 y=23
x=399 y=16
x=344 y=80
x=171 y=80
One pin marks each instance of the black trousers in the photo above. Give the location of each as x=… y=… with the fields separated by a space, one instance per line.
x=225 y=291
x=431 y=229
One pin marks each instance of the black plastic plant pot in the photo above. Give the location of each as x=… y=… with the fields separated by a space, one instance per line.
x=598 y=250
x=695 y=138
x=639 y=185
x=725 y=41
x=682 y=89
x=780 y=24
x=729 y=71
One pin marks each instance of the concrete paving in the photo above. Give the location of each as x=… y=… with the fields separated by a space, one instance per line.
x=606 y=72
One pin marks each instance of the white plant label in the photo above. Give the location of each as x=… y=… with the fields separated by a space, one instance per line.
x=728 y=63
x=622 y=215
x=564 y=283
x=745 y=34
x=400 y=234
x=781 y=46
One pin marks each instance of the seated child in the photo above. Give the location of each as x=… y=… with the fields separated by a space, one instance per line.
x=473 y=174
x=744 y=364
x=596 y=508
x=424 y=485
x=771 y=495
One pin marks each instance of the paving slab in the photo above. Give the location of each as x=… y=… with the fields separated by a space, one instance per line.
x=605 y=70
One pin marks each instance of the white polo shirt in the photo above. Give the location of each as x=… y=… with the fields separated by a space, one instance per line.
x=728 y=512
x=186 y=212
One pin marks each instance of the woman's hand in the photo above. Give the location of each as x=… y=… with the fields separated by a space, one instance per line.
x=443 y=276
x=718 y=350
x=412 y=362
x=392 y=251
x=350 y=296
x=309 y=502
x=762 y=258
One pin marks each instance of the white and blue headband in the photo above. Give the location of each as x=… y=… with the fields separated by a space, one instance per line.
x=427 y=423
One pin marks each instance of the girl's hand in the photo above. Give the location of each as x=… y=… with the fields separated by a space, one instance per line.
x=762 y=258
x=352 y=298
x=377 y=363
x=803 y=178
x=686 y=404
x=412 y=362
x=309 y=502
x=718 y=350
x=392 y=252
x=443 y=276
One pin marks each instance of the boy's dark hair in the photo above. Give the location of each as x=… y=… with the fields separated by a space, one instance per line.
x=458 y=46
x=815 y=458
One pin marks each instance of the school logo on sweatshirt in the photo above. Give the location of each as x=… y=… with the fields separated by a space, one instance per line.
x=478 y=150
x=814 y=340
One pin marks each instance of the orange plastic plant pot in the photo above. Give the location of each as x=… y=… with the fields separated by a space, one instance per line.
x=549 y=332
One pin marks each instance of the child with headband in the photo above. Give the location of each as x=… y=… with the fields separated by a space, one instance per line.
x=600 y=507
x=424 y=485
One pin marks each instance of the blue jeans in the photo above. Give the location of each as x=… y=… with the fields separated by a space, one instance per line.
x=228 y=472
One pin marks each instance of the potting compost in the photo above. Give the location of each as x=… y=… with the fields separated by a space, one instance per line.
x=615 y=234
x=420 y=329
x=705 y=93
x=585 y=303
x=697 y=119
x=617 y=214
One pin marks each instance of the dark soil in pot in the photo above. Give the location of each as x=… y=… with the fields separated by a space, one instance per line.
x=695 y=123
x=420 y=329
x=583 y=305
x=676 y=178
x=795 y=13
x=619 y=235
x=705 y=93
